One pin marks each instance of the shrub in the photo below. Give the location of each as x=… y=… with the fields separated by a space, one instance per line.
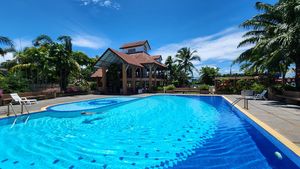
x=289 y=88
x=244 y=84
x=93 y=86
x=14 y=82
x=160 y=88
x=203 y=87
x=258 y=88
x=169 y=87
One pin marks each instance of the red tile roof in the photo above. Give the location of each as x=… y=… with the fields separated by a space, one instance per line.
x=134 y=44
x=98 y=73
x=126 y=58
x=156 y=57
x=136 y=59
x=144 y=58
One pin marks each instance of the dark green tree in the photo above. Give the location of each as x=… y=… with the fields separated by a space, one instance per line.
x=274 y=34
x=6 y=45
x=208 y=74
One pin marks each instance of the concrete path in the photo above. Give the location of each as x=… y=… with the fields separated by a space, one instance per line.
x=284 y=118
x=43 y=103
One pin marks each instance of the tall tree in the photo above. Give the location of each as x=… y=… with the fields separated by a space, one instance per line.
x=171 y=69
x=185 y=58
x=8 y=45
x=275 y=35
x=42 y=40
x=208 y=74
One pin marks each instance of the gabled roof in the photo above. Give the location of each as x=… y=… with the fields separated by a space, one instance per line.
x=126 y=58
x=144 y=58
x=135 y=44
x=136 y=59
x=98 y=73
x=156 y=57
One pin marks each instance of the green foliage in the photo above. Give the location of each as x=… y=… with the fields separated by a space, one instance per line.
x=185 y=57
x=208 y=74
x=13 y=82
x=169 y=87
x=257 y=88
x=93 y=85
x=8 y=45
x=244 y=84
x=159 y=88
x=274 y=35
x=203 y=87
x=49 y=61
x=289 y=88
x=179 y=71
x=3 y=83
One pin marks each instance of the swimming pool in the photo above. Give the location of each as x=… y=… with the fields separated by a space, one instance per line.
x=153 y=132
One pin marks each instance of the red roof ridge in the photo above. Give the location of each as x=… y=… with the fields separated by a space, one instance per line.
x=137 y=59
x=134 y=44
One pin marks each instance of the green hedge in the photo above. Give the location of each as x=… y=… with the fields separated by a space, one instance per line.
x=169 y=87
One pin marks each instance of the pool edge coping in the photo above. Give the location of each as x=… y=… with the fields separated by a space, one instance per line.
x=285 y=141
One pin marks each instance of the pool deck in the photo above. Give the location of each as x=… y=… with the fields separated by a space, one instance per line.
x=283 y=118
x=43 y=103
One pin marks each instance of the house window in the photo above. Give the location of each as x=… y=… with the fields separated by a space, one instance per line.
x=131 y=50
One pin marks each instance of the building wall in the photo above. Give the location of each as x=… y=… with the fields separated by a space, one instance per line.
x=137 y=49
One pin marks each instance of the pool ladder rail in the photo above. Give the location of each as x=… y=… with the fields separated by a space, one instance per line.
x=17 y=116
x=237 y=100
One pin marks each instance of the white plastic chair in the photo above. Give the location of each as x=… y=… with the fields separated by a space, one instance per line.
x=212 y=89
x=22 y=100
x=261 y=95
x=247 y=94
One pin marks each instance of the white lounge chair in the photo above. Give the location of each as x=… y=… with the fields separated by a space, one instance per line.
x=22 y=100
x=212 y=89
x=247 y=94
x=261 y=95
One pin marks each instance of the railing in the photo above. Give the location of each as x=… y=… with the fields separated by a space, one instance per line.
x=238 y=100
x=22 y=110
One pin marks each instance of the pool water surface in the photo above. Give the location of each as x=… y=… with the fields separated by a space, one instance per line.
x=152 y=132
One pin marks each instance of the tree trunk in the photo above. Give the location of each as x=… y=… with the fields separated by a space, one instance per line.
x=297 y=73
x=283 y=78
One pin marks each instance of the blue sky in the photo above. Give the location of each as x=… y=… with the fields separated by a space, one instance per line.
x=210 y=27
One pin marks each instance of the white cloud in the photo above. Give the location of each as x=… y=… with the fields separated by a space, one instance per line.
x=102 y=3
x=22 y=43
x=89 y=41
x=6 y=57
x=219 y=46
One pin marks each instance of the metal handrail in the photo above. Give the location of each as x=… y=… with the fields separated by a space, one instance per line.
x=238 y=100
x=22 y=108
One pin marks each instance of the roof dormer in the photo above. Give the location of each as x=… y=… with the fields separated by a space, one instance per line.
x=136 y=47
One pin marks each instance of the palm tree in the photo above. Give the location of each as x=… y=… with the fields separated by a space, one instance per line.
x=67 y=42
x=60 y=56
x=6 y=42
x=171 y=69
x=42 y=40
x=185 y=58
x=275 y=35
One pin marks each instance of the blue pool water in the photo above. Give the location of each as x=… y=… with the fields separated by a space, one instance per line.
x=154 y=132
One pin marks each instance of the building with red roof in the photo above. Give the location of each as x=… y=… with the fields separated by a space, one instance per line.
x=129 y=70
